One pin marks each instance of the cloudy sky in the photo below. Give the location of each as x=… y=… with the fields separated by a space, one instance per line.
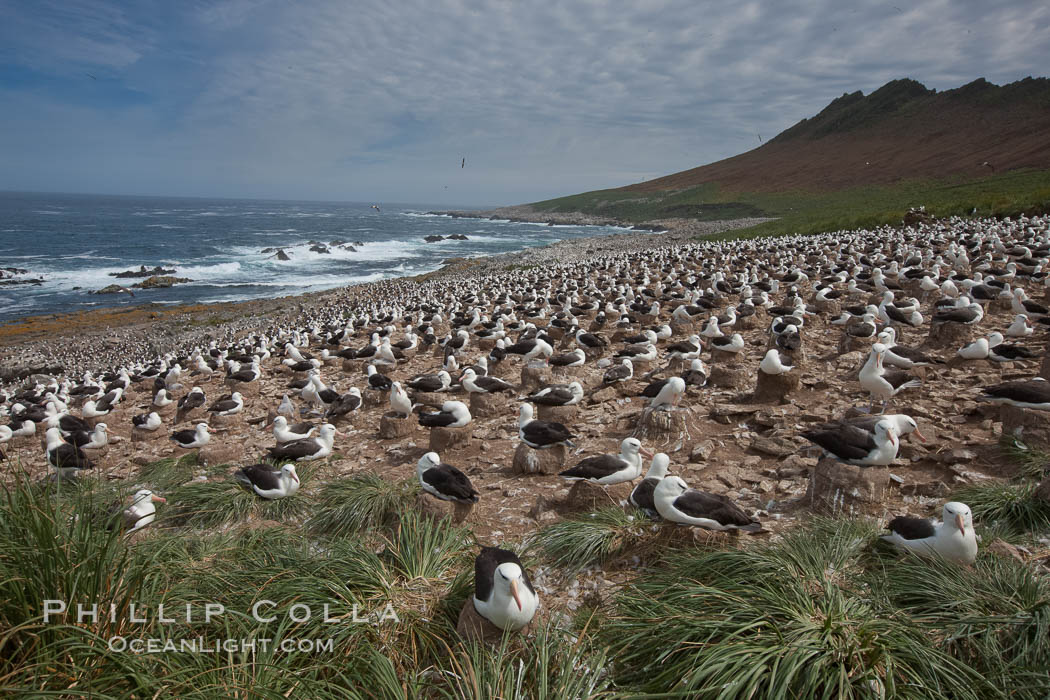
x=379 y=100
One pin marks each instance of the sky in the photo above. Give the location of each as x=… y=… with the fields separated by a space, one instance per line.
x=381 y=100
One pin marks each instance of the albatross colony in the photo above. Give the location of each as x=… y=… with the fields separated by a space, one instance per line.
x=663 y=307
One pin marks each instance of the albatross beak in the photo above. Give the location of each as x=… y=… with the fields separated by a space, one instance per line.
x=960 y=523
x=158 y=499
x=919 y=435
x=647 y=453
x=517 y=597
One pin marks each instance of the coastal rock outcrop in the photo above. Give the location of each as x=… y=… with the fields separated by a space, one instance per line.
x=160 y=282
x=143 y=272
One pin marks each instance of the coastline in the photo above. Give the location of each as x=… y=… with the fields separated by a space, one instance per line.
x=54 y=343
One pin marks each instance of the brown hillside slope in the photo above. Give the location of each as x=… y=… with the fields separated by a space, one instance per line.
x=900 y=131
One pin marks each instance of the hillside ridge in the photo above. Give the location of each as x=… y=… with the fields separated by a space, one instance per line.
x=901 y=131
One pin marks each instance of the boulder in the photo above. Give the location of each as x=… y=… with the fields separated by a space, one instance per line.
x=160 y=282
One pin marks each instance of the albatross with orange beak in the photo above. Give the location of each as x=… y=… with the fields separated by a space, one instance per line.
x=503 y=594
x=953 y=538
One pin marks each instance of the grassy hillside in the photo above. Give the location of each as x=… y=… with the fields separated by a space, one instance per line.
x=865 y=160
x=799 y=211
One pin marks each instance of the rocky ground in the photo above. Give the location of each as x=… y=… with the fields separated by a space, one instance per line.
x=727 y=443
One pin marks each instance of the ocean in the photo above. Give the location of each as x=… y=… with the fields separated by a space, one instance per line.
x=74 y=242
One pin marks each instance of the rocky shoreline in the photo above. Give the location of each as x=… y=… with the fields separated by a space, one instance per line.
x=54 y=343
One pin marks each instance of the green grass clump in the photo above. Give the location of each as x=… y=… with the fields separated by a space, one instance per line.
x=361 y=502
x=1012 y=506
x=222 y=501
x=995 y=617
x=167 y=473
x=792 y=618
x=592 y=538
x=1032 y=462
x=551 y=666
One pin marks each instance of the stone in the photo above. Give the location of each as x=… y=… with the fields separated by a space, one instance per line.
x=444 y=440
x=472 y=627
x=392 y=425
x=838 y=488
x=530 y=461
x=702 y=452
x=774 y=388
x=774 y=446
x=160 y=282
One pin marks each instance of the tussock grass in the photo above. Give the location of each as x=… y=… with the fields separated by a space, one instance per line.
x=786 y=619
x=818 y=612
x=995 y=617
x=1012 y=506
x=1033 y=463
x=592 y=538
x=167 y=473
x=213 y=503
x=60 y=549
x=551 y=666
x=361 y=502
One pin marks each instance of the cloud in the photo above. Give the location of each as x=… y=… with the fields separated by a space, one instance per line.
x=373 y=100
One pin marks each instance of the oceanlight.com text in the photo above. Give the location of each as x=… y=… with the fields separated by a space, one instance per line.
x=218 y=646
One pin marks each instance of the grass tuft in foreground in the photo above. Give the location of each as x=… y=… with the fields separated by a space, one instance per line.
x=994 y=617
x=793 y=618
x=592 y=538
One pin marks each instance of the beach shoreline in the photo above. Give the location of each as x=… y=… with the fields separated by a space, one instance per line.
x=64 y=342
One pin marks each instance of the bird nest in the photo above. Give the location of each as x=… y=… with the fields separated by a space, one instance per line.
x=662 y=424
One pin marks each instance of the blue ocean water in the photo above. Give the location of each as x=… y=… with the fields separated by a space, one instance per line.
x=74 y=241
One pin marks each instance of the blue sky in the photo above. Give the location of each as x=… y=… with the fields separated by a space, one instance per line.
x=368 y=100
